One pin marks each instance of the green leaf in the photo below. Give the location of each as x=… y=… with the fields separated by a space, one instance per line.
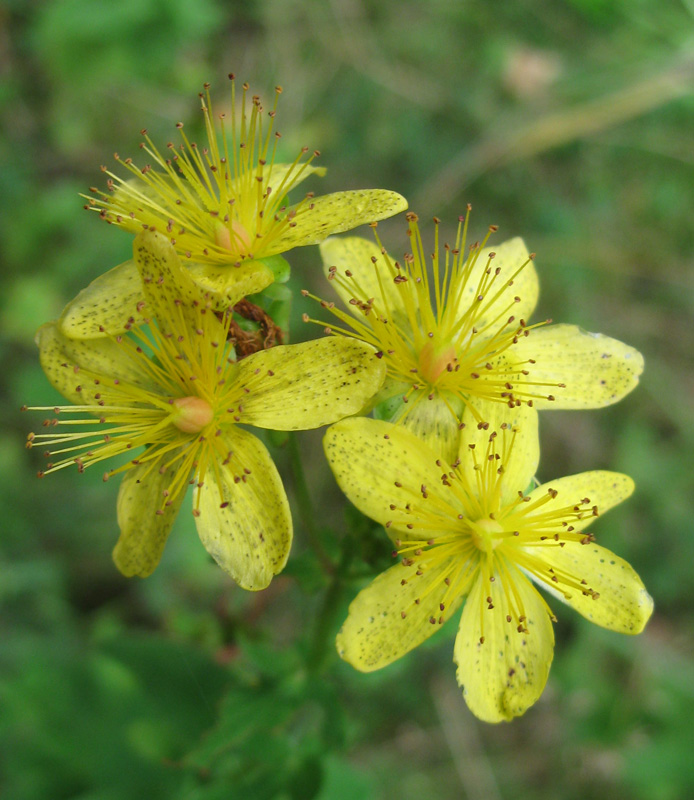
x=306 y=782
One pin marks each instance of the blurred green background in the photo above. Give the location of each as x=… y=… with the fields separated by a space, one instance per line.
x=569 y=123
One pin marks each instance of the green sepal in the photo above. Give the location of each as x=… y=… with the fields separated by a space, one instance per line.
x=388 y=409
x=279 y=266
x=277 y=438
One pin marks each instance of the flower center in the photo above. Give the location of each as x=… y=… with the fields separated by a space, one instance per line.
x=433 y=360
x=485 y=534
x=192 y=414
x=233 y=237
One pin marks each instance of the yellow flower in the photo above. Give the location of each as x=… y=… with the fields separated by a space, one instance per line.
x=457 y=338
x=174 y=388
x=223 y=206
x=473 y=530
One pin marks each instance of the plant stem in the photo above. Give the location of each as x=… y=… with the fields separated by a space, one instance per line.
x=303 y=498
x=325 y=621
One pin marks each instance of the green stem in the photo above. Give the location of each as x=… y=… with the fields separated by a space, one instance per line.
x=326 y=623
x=303 y=499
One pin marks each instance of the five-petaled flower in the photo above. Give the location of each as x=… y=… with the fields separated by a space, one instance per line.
x=473 y=530
x=458 y=339
x=174 y=387
x=223 y=206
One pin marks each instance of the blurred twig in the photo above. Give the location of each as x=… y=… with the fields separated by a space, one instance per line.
x=460 y=729
x=359 y=46
x=524 y=139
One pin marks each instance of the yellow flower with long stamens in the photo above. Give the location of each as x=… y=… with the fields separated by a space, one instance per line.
x=454 y=334
x=222 y=205
x=172 y=394
x=473 y=530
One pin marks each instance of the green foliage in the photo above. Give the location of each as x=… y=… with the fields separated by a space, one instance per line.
x=130 y=701
x=184 y=687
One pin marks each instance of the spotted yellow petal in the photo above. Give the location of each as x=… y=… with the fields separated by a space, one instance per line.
x=145 y=518
x=171 y=290
x=167 y=285
x=80 y=368
x=279 y=176
x=370 y=276
x=517 y=444
x=597 y=488
x=244 y=520
x=385 y=620
x=495 y=301
x=302 y=386
x=433 y=420
x=226 y=285
x=379 y=465
x=505 y=674
x=615 y=596
x=334 y=213
x=106 y=305
x=596 y=370
x=114 y=300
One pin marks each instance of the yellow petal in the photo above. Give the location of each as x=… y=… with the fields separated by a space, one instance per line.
x=275 y=174
x=167 y=285
x=599 y=488
x=378 y=464
x=433 y=422
x=228 y=284
x=106 y=305
x=143 y=531
x=623 y=604
x=334 y=213
x=114 y=299
x=520 y=440
x=171 y=290
x=304 y=386
x=596 y=369
x=499 y=300
x=73 y=365
x=503 y=676
x=244 y=521
x=370 y=279
x=375 y=632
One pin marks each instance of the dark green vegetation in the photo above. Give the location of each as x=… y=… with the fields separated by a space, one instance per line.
x=569 y=123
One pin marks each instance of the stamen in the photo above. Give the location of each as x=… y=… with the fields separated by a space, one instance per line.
x=432 y=338
x=220 y=204
x=458 y=533
x=158 y=417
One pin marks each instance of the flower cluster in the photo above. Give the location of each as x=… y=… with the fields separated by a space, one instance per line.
x=431 y=379
x=448 y=468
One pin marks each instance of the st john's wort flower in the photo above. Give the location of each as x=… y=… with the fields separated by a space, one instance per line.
x=172 y=396
x=457 y=337
x=223 y=206
x=471 y=531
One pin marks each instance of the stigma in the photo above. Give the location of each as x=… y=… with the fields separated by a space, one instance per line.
x=486 y=534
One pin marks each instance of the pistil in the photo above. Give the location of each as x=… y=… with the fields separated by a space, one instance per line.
x=485 y=534
x=434 y=360
x=191 y=414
